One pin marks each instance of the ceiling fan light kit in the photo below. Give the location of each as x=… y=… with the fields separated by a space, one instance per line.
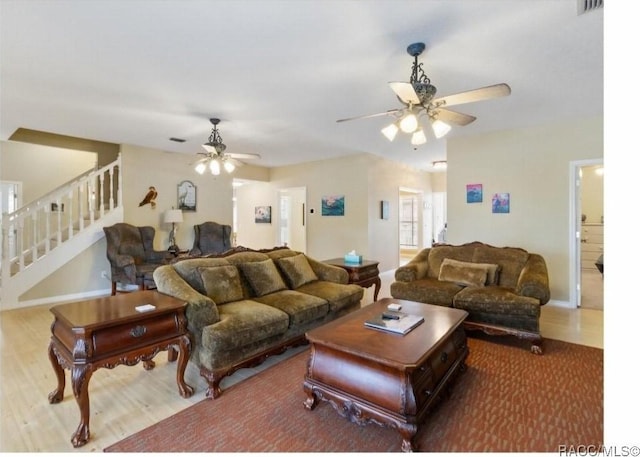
x=215 y=158
x=418 y=98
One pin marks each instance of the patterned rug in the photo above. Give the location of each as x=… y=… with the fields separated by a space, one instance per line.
x=508 y=400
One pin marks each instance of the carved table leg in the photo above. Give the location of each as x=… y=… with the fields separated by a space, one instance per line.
x=56 y=395
x=312 y=400
x=80 y=375
x=148 y=365
x=408 y=431
x=378 y=284
x=183 y=357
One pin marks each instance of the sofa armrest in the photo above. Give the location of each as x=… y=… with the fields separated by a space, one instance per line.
x=201 y=310
x=326 y=272
x=534 y=279
x=415 y=269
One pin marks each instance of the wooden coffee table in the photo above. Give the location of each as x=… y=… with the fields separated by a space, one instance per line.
x=370 y=375
x=106 y=332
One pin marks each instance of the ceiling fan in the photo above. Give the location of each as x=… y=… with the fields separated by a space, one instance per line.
x=215 y=156
x=418 y=98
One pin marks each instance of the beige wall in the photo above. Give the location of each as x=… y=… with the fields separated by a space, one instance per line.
x=250 y=234
x=533 y=166
x=41 y=168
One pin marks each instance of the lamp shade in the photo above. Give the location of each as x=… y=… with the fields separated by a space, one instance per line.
x=172 y=216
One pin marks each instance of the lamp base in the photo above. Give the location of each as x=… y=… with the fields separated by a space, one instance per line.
x=174 y=249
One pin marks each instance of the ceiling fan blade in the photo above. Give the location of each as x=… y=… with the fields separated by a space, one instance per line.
x=386 y=113
x=240 y=155
x=475 y=95
x=405 y=92
x=453 y=117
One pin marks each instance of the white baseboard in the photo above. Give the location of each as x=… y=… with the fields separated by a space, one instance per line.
x=560 y=304
x=57 y=299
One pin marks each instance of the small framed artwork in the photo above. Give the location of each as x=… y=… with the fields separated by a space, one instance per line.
x=384 y=209
x=55 y=208
x=333 y=205
x=474 y=193
x=187 y=197
x=500 y=203
x=263 y=215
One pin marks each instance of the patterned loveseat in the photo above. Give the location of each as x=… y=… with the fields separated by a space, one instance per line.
x=245 y=305
x=502 y=289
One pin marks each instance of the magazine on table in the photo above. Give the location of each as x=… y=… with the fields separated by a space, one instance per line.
x=395 y=321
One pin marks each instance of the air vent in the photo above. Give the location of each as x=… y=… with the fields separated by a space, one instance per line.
x=584 y=6
x=177 y=140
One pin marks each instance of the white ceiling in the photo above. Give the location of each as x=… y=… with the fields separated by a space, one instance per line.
x=280 y=73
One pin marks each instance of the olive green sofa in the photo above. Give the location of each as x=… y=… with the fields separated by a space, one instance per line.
x=502 y=288
x=245 y=305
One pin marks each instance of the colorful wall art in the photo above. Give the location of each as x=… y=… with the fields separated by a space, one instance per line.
x=333 y=205
x=474 y=193
x=500 y=203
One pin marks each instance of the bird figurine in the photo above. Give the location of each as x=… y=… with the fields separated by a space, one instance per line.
x=150 y=197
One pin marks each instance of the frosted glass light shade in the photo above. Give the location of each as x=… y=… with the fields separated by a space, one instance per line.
x=409 y=123
x=418 y=138
x=229 y=167
x=200 y=168
x=440 y=128
x=390 y=131
x=214 y=166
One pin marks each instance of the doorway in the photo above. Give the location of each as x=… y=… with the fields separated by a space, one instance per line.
x=587 y=244
x=292 y=218
x=410 y=224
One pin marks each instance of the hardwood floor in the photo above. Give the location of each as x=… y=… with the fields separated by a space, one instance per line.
x=127 y=399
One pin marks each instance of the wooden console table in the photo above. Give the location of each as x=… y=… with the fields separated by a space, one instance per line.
x=107 y=332
x=365 y=274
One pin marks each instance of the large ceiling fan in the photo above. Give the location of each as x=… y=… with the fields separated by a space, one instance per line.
x=216 y=156
x=418 y=98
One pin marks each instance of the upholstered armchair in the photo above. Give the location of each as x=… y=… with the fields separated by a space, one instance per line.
x=210 y=238
x=132 y=257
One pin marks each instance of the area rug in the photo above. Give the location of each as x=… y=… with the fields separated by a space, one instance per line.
x=508 y=400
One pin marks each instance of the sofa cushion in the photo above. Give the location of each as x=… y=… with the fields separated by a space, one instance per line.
x=263 y=277
x=243 y=323
x=296 y=270
x=427 y=290
x=339 y=296
x=463 y=273
x=511 y=261
x=221 y=284
x=301 y=308
x=437 y=254
x=496 y=300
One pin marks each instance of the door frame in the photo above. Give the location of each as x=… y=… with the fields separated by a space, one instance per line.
x=575 y=228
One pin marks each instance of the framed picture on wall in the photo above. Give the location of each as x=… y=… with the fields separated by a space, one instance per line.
x=474 y=193
x=384 y=209
x=500 y=203
x=263 y=215
x=333 y=205
x=187 y=196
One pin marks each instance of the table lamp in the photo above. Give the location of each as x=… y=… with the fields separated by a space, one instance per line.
x=173 y=216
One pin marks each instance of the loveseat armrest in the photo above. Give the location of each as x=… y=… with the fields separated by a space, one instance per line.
x=326 y=272
x=415 y=269
x=201 y=310
x=534 y=279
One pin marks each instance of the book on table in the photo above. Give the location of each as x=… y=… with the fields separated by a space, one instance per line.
x=402 y=323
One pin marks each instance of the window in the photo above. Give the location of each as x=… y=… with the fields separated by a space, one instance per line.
x=409 y=221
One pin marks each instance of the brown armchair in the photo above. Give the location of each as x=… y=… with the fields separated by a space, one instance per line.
x=132 y=257
x=211 y=238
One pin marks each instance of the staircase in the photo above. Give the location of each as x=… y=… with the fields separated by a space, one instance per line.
x=40 y=237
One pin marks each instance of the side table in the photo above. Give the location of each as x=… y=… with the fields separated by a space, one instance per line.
x=109 y=331
x=365 y=274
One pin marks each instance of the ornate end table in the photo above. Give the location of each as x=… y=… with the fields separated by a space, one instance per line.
x=365 y=274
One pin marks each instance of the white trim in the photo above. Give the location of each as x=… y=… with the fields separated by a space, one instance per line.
x=58 y=299
x=560 y=304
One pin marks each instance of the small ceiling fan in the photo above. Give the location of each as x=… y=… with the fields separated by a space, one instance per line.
x=418 y=98
x=215 y=156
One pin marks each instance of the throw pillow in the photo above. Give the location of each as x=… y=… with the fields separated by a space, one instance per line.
x=462 y=273
x=222 y=284
x=493 y=272
x=297 y=270
x=263 y=277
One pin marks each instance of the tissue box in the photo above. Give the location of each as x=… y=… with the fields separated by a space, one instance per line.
x=352 y=258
